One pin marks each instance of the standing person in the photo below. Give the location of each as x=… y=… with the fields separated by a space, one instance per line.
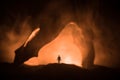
x=59 y=59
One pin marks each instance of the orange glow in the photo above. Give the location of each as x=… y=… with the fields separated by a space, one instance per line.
x=32 y=61
x=33 y=34
x=62 y=45
x=68 y=60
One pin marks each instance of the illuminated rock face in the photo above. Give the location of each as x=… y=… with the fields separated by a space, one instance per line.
x=64 y=46
x=71 y=44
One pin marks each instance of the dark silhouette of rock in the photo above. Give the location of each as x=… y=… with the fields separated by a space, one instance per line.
x=88 y=62
x=56 y=72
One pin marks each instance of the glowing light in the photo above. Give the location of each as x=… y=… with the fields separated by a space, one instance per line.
x=32 y=61
x=68 y=60
x=62 y=45
x=33 y=34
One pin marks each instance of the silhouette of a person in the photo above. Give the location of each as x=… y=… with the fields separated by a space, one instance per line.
x=59 y=59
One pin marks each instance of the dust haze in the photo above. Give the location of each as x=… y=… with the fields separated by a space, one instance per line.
x=97 y=35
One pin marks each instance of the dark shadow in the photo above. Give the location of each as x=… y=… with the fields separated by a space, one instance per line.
x=56 y=72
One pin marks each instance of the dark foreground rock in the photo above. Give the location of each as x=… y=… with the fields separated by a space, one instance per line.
x=56 y=72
